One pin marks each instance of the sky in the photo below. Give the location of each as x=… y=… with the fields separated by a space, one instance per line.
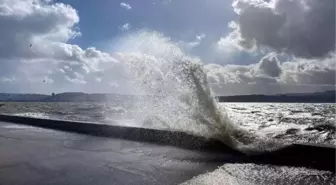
x=244 y=46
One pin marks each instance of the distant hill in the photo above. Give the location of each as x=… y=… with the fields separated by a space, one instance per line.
x=21 y=97
x=317 y=97
x=64 y=97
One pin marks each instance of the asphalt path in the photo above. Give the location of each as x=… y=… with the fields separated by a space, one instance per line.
x=37 y=156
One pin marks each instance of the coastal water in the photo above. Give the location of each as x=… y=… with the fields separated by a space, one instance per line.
x=285 y=122
x=175 y=95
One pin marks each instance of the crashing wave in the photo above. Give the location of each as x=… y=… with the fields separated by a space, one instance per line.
x=177 y=96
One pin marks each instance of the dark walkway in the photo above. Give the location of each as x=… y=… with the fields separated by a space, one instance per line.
x=122 y=155
x=36 y=156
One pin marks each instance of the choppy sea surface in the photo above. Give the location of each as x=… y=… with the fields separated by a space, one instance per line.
x=287 y=122
x=283 y=122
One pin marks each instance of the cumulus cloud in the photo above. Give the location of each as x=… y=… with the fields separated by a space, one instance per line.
x=298 y=73
x=192 y=44
x=34 y=49
x=125 y=27
x=234 y=41
x=114 y=85
x=313 y=72
x=200 y=37
x=35 y=56
x=5 y=79
x=304 y=28
x=125 y=5
x=240 y=74
x=25 y=23
x=269 y=65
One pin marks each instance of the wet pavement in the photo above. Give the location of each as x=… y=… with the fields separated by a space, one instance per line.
x=34 y=156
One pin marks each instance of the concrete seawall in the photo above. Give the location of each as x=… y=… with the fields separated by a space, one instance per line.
x=163 y=137
x=298 y=155
x=38 y=156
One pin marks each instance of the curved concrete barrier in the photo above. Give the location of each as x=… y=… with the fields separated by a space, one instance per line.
x=31 y=156
x=320 y=157
x=297 y=155
x=163 y=137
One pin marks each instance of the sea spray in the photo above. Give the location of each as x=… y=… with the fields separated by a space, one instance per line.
x=172 y=88
x=176 y=96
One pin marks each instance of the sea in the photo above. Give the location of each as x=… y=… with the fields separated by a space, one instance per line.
x=283 y=122
x=175 y=95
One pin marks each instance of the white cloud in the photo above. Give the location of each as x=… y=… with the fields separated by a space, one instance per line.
x=113 y=85
x=304 y=28
x=5 y=79
x=194 y=43
x=269 y=71
x=52 y=64
x=200 y=37
x=313 y=72
x=125 y=5
x=38 y=51
x=234 y=41
x=77 y=79
x=125 y=27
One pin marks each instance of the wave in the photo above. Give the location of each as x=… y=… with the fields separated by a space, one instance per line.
x=33 y=114
x=177 y=96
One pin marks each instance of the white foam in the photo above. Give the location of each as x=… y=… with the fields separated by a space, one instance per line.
x=33 y=114
x=250 y=174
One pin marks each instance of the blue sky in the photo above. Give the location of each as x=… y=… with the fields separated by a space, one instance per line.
x=244 y=46
x=97 y=21
x=178 y=20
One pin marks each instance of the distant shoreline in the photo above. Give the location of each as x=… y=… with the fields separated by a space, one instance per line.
x=317 y=97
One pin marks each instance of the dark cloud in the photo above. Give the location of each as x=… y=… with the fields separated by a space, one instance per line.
x=269 y=65
x=304 y=28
